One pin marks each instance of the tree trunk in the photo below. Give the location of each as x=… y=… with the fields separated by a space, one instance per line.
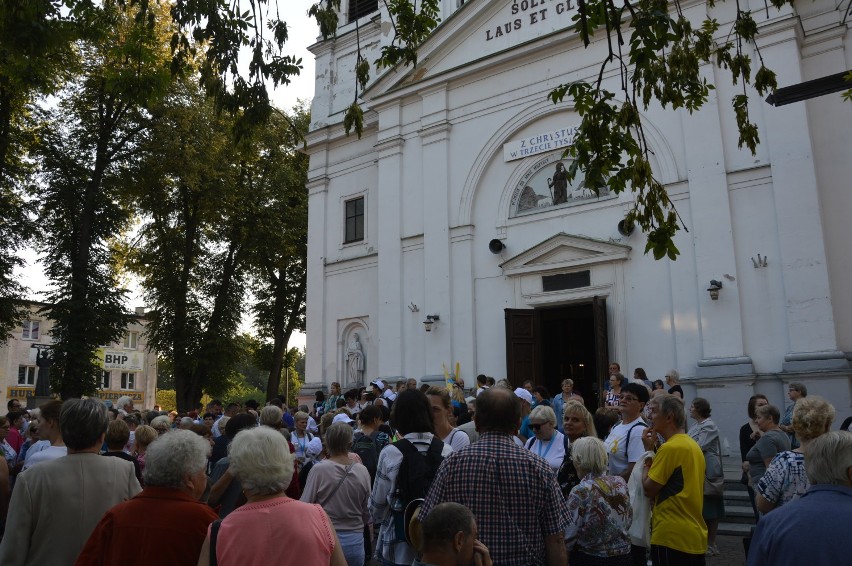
x=77 y=354
x=282 y=337
x=182 y=362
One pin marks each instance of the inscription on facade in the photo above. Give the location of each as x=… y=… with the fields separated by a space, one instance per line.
x=526 y=13
x=541 y=142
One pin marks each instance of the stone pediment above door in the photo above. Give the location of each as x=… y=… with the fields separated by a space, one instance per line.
x=565 y=251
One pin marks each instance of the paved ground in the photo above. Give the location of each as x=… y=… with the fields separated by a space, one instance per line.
x=731 y=552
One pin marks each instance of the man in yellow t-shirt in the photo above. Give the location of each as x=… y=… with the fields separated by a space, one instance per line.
x=675 y=481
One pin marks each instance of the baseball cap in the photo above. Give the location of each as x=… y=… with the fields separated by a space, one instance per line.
x=342 y=418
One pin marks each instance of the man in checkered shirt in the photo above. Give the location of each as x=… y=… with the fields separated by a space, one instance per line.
x=512 y=492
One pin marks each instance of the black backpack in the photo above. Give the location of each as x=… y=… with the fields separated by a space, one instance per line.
x=368 y=448
x=414 y=479
x=417 y=470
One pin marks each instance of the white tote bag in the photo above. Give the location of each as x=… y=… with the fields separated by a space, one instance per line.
x=640 y=528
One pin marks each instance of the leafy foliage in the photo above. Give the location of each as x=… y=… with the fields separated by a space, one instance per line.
x=211 y=211
x=34 y=57
x=189 y=190
x=225 y=29
x=85 y=140
x=166 y=399
x=660 y=61
x=279 y=250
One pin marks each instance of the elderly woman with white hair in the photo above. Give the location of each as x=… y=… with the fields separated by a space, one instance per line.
x=124 y=405
x=546 y=442
x=252 y=534
x=161 y=424
x=785 y=479
x=599 y=511
x=175 y=479
x=342 y=486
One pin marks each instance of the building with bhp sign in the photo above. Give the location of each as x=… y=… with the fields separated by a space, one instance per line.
x=449 y=232
x=129 y=367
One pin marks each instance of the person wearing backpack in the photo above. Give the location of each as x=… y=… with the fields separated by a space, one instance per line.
x=369 y=440
x=404 y=472
x=624 y=442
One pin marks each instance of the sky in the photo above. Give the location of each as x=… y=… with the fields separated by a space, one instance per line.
x=303 y=32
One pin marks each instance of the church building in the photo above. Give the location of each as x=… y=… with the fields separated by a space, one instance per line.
x=447 y=233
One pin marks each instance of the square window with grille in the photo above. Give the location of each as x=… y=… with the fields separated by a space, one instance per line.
x=354 y=220
x=27 y=375
x=128 y=380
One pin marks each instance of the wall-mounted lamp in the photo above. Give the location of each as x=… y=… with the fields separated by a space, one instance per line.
x=430 y=320
x=714 y=289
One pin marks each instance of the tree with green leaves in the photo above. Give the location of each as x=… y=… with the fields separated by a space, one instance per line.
x=86 y=139
x=189 y=189
x=35 y=55
x=280 y=236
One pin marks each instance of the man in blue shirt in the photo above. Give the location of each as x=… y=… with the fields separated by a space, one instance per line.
x=813 y=528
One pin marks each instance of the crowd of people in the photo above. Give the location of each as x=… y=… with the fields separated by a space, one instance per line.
x=417 y=474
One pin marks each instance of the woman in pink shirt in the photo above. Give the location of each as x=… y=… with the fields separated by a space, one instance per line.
x=271 y=525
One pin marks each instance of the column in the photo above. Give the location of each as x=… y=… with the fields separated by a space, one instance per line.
x=389 y=330
x=810 y=319
x=712 y=236
x=315 y=308
x=434 y=134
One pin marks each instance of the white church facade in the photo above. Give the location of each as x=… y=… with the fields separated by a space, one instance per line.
x=449 y=210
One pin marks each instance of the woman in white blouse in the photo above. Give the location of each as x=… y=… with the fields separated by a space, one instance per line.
x=547 y=442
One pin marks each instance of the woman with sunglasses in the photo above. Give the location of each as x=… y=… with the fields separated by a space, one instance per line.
x=546 y=441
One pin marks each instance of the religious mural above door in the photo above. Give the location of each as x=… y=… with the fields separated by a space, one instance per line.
x=544 y=185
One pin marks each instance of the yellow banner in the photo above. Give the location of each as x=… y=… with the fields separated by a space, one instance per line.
x=19 y=392
x=136 y=396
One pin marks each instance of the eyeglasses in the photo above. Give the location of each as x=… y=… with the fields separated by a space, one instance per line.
x=537 y=426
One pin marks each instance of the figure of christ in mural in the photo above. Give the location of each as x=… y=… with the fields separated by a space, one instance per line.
x=355 y=361
x=559 y=184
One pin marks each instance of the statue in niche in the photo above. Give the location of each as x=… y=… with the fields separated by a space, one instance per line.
x=559 y=184
x=43 y=361
x=355 y=361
